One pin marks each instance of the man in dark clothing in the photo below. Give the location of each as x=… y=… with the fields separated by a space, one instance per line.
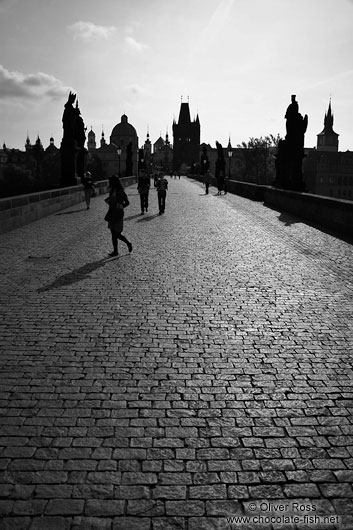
x=143 y=189
x=162 y=186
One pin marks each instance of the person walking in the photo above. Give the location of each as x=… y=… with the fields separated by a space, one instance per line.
x=220 y=183
x=225 y=185
x=117 y=201
x=143 y=189
x=162 y=186
x=88 y=187
x=207 y=180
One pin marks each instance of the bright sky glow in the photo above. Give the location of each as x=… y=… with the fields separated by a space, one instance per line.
x=238 y=62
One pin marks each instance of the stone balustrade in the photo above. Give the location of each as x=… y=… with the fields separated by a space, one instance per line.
x=23 y=209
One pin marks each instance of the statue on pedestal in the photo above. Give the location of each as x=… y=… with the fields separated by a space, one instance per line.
x=67 y=148
x=80 y=138
x=204 y=162
x=220 y=170
x=72 y=148
x=290 y=153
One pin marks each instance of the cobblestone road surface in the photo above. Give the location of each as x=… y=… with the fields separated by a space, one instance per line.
x=205 y=376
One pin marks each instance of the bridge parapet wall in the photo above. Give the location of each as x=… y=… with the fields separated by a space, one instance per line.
x=329 y=213
x=23 y=209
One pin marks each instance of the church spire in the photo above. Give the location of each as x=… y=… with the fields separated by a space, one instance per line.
x=28 y=143
x=328 y=121
x=327 y=140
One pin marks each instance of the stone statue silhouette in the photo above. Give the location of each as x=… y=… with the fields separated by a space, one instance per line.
x=67 y=148
x=204 y=162
x=80 y=138
x=69 y=120
x=220 y=170
x=290 y=152
x=72 y=149
x=296 y=125
x=220 y=162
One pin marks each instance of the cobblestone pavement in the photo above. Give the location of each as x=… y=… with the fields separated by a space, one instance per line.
x=205 y=376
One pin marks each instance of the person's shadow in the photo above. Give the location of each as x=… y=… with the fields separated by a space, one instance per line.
x=288 y=219
x=74 y=276
x=132 y=217
x=148 y=218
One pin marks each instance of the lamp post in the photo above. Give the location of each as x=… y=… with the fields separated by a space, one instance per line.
x=119 y=155
x=230 y=154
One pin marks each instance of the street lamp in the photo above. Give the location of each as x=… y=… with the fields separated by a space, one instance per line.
x=230 y=154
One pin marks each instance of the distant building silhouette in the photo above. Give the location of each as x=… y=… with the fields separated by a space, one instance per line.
x=186 y=139
x=163 y=153
x=147 y=152
x=327 y=171
x=91 y=141
x=122 y=135
x=327 y=140
x=30 y=170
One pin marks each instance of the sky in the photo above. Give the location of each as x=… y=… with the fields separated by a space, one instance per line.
x=237 y=62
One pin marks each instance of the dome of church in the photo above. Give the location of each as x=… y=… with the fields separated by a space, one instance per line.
x=123 y=128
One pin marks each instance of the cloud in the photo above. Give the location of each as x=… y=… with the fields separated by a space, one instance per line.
x=17 y=85
x=88 y=31
x=133 y=45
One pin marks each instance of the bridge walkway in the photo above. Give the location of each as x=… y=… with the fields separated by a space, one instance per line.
x=206 y=375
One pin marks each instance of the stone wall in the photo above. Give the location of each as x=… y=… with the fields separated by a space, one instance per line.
x=332 y=214
x=23 y=209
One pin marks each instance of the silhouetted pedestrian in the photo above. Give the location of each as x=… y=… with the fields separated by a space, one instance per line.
x=117 y=201
x=143 y=189
x=155 y=179
x=89 y=187
x=162 y=186
x=225 y=185
x=207 y=180
x=220 y=183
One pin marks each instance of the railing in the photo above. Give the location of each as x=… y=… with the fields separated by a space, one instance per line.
x=23 y=209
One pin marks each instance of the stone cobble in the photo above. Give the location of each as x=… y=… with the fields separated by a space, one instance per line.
x=205 y=376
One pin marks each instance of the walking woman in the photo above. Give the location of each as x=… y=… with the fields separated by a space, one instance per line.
x=89 y=187
x=117 y=201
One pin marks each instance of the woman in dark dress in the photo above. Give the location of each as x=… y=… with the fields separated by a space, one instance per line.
x=117 y=201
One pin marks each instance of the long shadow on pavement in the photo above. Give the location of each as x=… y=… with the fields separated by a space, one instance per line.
x=289 y=219
x=132 y=217
x=148 y=218
x=77 y=275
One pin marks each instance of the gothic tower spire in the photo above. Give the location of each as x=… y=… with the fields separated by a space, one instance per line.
x=327 y=140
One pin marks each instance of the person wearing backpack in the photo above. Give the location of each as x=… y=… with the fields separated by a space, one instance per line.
x=162 y=186
x=117 y=201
